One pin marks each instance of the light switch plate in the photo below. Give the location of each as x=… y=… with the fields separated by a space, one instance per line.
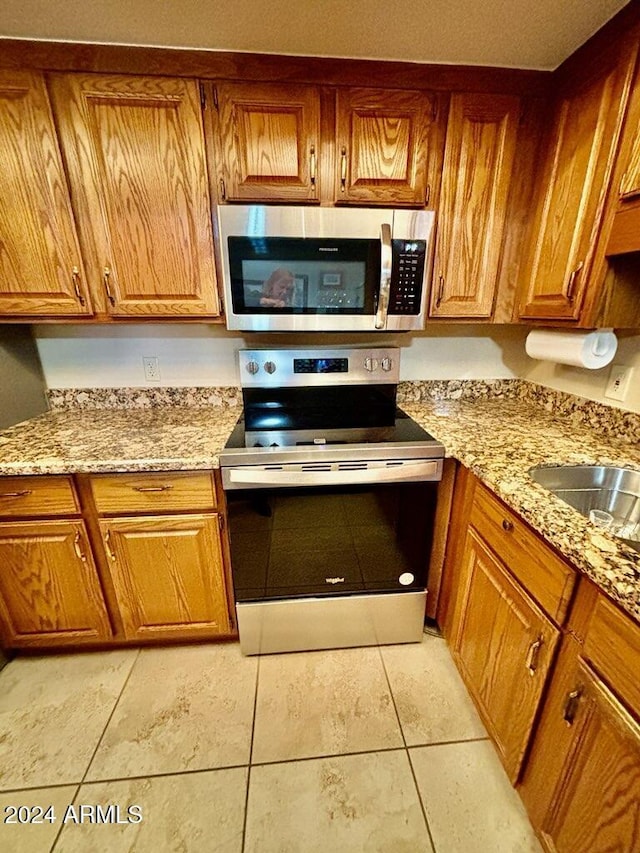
x=618 y=384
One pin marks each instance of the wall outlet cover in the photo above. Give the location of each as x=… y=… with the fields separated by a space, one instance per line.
x=619 y=381
x=151 y=368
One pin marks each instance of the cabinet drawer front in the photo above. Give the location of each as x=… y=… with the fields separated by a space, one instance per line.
x=612 y=645
x=27 y=496
x=117 y=493
x=543 y=574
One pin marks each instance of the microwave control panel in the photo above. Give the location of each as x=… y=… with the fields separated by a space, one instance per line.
x=407 y=276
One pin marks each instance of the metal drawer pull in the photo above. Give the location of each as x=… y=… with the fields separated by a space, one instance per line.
x=78 y=549
x=312 y=167
x=572 y=281
x=532 y=657
x=164 y=488
x=21 y=494
x=107 y=546
x=343 y=169
x=571 y=706
x=507 y=525
x=440 y=290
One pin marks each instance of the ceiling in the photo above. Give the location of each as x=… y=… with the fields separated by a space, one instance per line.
x=508 y=33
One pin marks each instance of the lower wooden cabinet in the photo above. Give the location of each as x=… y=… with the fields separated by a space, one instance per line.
x=504 y=646
x=49 y=588
x=168 y=575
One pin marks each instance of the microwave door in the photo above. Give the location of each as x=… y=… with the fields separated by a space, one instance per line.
x=386 y=259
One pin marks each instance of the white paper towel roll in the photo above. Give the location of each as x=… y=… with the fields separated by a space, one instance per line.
x=587 y=349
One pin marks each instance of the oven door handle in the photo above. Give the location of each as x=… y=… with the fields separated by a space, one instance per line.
x=386 y=260
x=430 y=470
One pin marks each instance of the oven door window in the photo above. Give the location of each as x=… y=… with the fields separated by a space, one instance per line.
x=292 y=275
x=287 y=543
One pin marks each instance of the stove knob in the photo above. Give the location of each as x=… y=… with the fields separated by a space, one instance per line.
x=370 y=364
x=258 y=444
x=253 y=367
x=275 y=444
x=270 y=367
x=386 y=364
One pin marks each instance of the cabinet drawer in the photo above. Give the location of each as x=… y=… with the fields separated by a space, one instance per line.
x=543 y=574
x=29 y=496
x=611 y=645
x=118 y=493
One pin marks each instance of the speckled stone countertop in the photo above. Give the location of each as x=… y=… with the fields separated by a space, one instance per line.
x=67 y=441
x=501 y=440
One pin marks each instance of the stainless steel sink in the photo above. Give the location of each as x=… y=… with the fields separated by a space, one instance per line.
x=601 y=487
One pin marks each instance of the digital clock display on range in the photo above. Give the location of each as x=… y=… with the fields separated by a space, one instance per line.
x=320 y=365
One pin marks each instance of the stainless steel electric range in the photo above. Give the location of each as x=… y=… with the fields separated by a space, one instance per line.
x=331 y=492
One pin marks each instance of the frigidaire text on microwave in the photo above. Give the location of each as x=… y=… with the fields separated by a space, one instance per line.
x=324 y=269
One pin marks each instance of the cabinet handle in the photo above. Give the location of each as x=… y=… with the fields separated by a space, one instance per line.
x=106 y=280
x=440 y=290
x=571 y=706
x=312 y=167
x=532 y=656
x=223 y=189
x=76 y=544
x=343 y=169
x=164 y=488
x=75 y=278
x=507 y=525
x=572 y=281
x=21 y=494
x=107 y=546
x=427 y=195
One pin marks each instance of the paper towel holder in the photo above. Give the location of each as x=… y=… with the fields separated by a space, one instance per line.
x=592 y=350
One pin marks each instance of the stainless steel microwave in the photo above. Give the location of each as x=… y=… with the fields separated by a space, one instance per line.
x=324 y=269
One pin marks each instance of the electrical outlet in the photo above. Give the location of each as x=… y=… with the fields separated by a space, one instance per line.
x=151 y=368
x=618 y=384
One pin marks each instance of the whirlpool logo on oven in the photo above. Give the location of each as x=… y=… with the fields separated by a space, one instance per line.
x=334 y=580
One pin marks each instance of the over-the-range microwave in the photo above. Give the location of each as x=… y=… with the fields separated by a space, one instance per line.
x=324 y=268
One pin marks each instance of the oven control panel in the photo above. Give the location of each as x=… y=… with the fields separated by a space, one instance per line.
x=297 y=367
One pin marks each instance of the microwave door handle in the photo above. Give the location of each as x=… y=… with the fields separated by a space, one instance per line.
x=386 y=258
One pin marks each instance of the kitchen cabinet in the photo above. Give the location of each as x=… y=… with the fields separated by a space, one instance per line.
x=501 y=614
x=167 y=564
x=41 y=268
x=50 y=593
x=478 y=164
x=134 y=151
x=580 y=157
x=582 y=782
x=269 y=138
x=275 y=143
x=387 y=147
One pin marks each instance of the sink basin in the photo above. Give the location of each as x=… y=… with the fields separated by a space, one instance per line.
x=602 y=487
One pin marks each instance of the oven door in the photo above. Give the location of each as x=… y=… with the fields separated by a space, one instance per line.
x=330 y=566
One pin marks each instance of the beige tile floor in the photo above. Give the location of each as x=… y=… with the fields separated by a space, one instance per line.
x=348 y=750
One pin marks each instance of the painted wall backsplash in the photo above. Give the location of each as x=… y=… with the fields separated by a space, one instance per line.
x=205 y=355
x=200 y=355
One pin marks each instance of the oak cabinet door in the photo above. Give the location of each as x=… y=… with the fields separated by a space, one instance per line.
x=135 y=153
x=595 y=800
x=49 y=588
x=168 y=575
x=269 y=140
x=385 y=147
x=41 y=270
x=574 y=180
x=504 y=646
x=478 y=164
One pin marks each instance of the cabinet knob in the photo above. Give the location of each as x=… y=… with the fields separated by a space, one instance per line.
x=507 y=525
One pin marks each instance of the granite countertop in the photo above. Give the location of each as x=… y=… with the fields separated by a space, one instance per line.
x=501 y=440
x=498 y=439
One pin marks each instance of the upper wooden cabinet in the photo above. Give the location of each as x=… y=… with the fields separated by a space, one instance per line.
x=573 y=184
x=134 y=148
x=276 y=143
x=269 y=137
x=385 y=146
x=41 y=269
x=478 y=164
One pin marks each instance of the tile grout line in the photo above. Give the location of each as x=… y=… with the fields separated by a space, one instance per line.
x=253 y=730
x=58 y=833
x=407 y=753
